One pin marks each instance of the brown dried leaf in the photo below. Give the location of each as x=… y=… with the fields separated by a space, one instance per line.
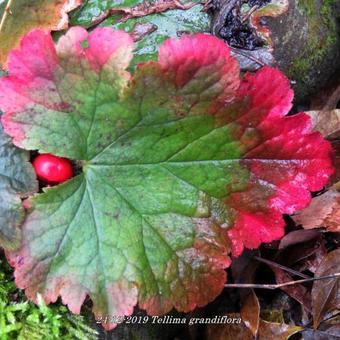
x=277 y=331
x=267 y=331
x=328 y=97
x=331 y=333
x=336 y=186
x=332 y=328
x=335 y=179
x=21 y=16
x=228 y=332
x=273 y=9
x=327 y=122
x=139 y=31
x=299 y=254
x=326 y=293
x=250 y=312
x=324 y=211
x=312 y=263
x=298 y=292
x=298 y=236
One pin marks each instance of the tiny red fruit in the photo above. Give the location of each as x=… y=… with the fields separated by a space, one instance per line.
x=52 y=169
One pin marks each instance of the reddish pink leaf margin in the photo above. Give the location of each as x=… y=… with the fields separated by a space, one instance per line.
x=303 y=161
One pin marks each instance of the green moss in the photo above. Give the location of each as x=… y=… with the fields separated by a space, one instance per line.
x=22 y=320
x=299 y=68
x=322 y=34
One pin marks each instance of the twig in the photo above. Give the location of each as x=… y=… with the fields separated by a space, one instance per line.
x=279 y=285
x=274 y=264
x=5 y=14
x=237 y=51
x=249 y=13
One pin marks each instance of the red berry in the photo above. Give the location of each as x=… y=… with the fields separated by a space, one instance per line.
x=52 y=169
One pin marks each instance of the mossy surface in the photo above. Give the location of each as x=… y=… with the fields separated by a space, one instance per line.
x=322 y=36
x=23 y=320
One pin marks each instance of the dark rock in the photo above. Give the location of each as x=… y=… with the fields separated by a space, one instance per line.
x=307 y=44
